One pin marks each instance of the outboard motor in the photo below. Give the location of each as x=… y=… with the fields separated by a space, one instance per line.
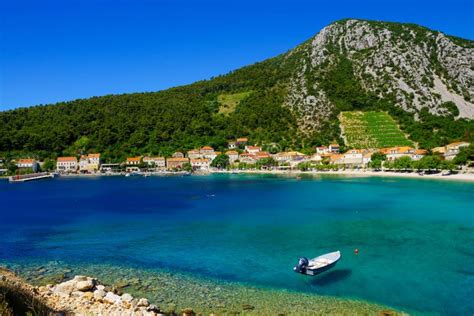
x=302 y=264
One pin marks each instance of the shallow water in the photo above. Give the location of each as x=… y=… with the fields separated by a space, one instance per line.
x=415 y=237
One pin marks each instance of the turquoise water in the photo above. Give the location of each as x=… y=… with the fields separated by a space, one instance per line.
x=415 y=237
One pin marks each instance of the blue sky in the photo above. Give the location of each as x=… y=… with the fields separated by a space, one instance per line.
x=57 y=50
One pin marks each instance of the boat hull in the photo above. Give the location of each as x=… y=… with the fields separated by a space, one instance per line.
x=317 y=271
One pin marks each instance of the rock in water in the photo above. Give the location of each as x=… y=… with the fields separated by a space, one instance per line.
x=143 y=302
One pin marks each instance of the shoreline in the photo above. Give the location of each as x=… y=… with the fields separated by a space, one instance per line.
x=469 y=177
x=175 y=292
x=460 y=177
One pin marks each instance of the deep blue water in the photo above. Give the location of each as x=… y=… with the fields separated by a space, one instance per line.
x=416 y=237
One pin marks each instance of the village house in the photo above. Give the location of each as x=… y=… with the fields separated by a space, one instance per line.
x=453 y=149
x=176 y=163
x=252 y=149
x=133 y=161
x=194 y=154
x=200 y=164
x=89 y=163
x=204 y=152
x=233 y=156
x=418 y=154
x=156 y=162
x=322 y=150
x=178 y=155
x=336 y=159
x=367 y=158
x=316 y=158
x=261 y=155
x=28 y=164
x=334 y=148
x=398 y=152
x=247 y=158
x=208 y=152
x=66 y=164
x=289 y=157
x=232 y=145
x=352 y=158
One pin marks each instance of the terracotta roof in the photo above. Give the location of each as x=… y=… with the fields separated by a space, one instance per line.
x=242 y=139
x=130 y=159
x=262 y=154
x=207 y=148
x=421 y=152
x=193 y=151
x=200 y=160
x=26 y=161
x=334 y=145
x=456 y=144
x=94 y=155
x=66 y=159
x=231 y=152
x=439 y=149
x=253 y=147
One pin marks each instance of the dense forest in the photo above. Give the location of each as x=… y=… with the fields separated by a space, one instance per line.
x=186 y=117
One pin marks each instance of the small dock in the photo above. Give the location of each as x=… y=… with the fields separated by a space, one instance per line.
x=30 y=177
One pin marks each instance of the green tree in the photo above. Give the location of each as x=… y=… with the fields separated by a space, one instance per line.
x=466 y=155
x=221 y=161
x=266 y=162
x=305 y=166
x=403 y=163
x=428 y=162
x=49 y=165
x=187 y=167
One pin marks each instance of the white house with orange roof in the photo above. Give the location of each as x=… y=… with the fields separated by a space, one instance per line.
x=322 y=150
x=200 y=163
x=156 y=162
x=208 y=152
x=66 y=164
x=418 y=154
x=233 y=155
x=252 y=149
x=27 y=164
x=453 y=149
x=194 y=154
x=247 y=158
x=133 y=161
x=393 y=153
x=89 y=163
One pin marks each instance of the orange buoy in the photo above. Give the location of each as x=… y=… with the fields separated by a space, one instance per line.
x=356 y=251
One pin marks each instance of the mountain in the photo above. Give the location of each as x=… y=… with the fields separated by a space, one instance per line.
x=423 y=78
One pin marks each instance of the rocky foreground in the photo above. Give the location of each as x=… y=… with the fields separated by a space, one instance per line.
x=80 y=296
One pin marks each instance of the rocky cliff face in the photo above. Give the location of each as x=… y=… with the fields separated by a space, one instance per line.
x=413 y=66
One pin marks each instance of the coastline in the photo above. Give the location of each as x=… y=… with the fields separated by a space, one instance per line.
x=170 y=292
x=357 y=173
x=460 y=177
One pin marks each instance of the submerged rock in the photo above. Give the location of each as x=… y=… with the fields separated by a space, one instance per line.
x=143 y=302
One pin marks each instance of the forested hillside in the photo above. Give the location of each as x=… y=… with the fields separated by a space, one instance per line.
x=292 y=100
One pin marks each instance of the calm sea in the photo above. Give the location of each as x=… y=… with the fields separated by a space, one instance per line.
x=415 y=237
